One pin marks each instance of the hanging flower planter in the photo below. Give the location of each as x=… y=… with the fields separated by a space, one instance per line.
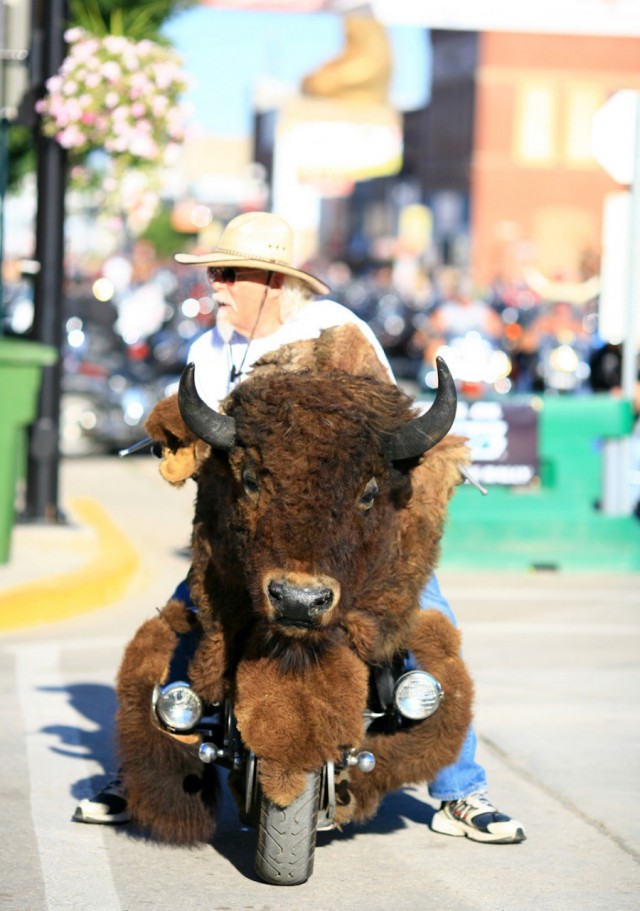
x=121 y=97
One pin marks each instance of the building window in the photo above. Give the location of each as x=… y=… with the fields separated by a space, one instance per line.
x=582 y=101
x=535 y=124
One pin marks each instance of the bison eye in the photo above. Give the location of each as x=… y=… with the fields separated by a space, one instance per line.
x=250 y=482
x=370 y=493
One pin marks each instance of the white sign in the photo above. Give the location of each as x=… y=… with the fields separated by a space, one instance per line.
x=571 y=17
x=613 y=137
x=616 y=231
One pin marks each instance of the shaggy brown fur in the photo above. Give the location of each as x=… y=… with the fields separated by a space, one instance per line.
x=170 y=791
x=417 y=753
x=292 y=501
x=323 y=703
x=343 y=348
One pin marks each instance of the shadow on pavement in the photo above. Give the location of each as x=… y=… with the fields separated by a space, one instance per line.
x=233 y=841
x=97 y=703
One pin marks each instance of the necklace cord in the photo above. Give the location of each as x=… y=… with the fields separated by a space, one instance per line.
x=236 y=373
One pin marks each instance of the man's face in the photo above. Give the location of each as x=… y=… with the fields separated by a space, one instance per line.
x=243 y=295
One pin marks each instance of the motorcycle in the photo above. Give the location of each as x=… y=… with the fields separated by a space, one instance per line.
x=106 y=391
x=556 y=350
x=401 y=695
x=101 y=414
x=563 y=365
x=305 y=666
x=479 y=366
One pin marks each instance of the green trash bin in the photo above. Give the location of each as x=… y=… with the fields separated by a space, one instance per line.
x=21 y=364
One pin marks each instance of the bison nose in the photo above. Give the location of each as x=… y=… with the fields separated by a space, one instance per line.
x=297 y=605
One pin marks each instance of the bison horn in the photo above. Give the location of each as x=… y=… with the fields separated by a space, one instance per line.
x=218 y=430
x=425 y=431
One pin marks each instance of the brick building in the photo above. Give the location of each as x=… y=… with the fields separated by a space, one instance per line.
x=503 y=152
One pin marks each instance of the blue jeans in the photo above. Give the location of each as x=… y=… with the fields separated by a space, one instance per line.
x=465 y=776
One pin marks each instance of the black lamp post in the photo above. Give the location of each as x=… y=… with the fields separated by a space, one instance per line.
x=49 y=21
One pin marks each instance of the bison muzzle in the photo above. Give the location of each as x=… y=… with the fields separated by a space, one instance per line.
x=301 y=602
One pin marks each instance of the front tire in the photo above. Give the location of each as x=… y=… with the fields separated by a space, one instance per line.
x=287 y=837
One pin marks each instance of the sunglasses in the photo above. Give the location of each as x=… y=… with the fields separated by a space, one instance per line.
x=227 y=275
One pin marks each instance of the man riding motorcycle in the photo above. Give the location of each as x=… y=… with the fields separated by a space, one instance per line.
x=263 y=303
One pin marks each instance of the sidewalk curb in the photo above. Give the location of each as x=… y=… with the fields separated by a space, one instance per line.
x=100 y=581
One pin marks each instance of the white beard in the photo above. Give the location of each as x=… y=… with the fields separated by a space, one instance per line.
x=224 y=326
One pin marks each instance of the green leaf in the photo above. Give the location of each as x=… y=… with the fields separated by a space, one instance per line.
x=135 y=19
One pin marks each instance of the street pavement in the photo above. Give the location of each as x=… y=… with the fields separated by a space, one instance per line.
x=555 y=660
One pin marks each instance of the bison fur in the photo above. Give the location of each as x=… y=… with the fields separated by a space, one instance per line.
x=307 y=500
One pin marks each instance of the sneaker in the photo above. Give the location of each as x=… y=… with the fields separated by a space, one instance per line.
x=107 y=807
x=477 y=818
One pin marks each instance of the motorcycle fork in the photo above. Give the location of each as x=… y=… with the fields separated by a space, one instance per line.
x=327 y=810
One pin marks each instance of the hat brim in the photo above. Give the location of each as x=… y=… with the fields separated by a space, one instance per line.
x=218 y=259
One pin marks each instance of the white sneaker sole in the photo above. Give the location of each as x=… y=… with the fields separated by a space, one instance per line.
x=443 y=825
x=82 y=814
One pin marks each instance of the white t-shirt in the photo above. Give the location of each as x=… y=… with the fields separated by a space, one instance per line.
x=215 y=358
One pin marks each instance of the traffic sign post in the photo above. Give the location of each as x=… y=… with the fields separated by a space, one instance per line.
x=613 y=135
x=629 y=367
x=616 y=147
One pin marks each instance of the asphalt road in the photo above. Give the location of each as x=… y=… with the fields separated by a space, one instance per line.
x=554 y=657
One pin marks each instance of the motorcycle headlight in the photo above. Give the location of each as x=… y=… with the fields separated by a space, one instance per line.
x=417 y=695
x=564 y=359
x=178 y=706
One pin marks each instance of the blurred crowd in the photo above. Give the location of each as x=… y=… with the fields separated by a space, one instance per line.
x=129 y=322
x=504 y=339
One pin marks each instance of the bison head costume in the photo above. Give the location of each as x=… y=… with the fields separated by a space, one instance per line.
x=321 y=498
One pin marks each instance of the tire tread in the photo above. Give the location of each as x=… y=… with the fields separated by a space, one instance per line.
x=287 y=837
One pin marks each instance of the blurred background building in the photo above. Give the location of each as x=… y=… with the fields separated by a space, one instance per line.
x=437 y=162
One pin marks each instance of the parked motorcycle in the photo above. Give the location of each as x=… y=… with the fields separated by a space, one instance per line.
x=563 y=364
x=101 y=413
x=107 y=391
x=555 y=351
x=478 y=365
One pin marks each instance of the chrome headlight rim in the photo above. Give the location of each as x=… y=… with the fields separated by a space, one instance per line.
x=162 y=697
x=408 y=706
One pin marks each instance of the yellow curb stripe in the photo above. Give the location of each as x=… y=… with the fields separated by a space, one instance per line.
x=100 y=581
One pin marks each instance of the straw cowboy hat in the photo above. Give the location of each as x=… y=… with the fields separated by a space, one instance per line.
x=256 y=240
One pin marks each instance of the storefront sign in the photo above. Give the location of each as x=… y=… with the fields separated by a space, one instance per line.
x=503 y=437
